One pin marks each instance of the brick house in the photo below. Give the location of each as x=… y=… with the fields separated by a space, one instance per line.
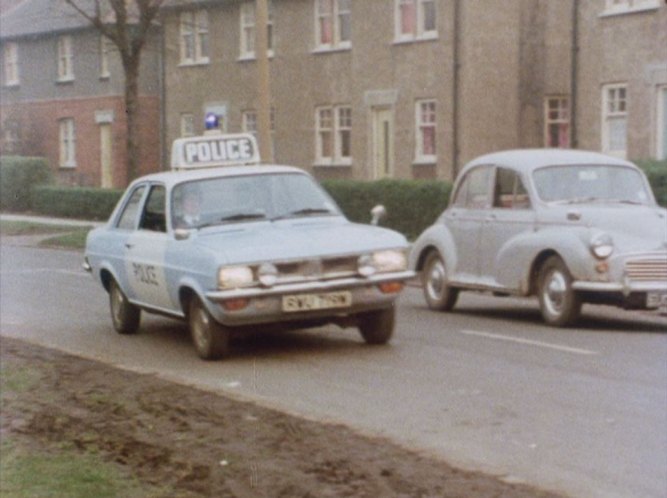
x=415 y=88
x=62 y=96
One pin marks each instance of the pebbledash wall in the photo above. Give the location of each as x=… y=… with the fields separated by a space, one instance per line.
x=491 y=68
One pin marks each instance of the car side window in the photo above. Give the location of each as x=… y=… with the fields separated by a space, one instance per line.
x=473 y=192
x=153 y=217
x=128 y=218
x=509 y=191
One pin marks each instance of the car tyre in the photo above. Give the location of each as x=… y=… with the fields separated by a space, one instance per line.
x=439 y=296
x=124 y=315
x=560 y=304
x=377 y=327
x=210 y=338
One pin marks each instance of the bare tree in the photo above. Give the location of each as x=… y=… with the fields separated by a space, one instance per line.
x=127 y=24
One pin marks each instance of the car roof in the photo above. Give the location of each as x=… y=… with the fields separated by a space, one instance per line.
x=173 y=177
x=531 y=159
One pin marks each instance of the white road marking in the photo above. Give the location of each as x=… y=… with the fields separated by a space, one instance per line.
x=530 y=342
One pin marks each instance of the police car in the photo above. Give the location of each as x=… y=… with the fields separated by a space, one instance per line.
x=228 y=244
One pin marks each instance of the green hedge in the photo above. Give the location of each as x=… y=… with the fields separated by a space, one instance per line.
x=412 y=205
x=657 y=176
x=75 y=202
x=17 y=177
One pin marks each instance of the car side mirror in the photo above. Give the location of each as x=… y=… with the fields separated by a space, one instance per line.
x=182 y=233
x=377 y=213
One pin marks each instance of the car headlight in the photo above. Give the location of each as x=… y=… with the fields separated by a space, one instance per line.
x=231 y=277
x=382 y=261
x=602 y=246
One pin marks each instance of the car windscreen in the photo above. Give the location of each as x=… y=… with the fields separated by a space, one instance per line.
x=591 y=183
x=232 y=199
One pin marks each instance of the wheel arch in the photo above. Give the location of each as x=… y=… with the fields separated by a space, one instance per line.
x=536 y=266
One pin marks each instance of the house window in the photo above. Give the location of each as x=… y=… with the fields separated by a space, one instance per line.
x=250 y=122
x=247 y=43
x=11 y=63
x=333 y=24
x=425 y=119
x=105 y=48
x=65 y=59
x=187 y=125
x=613 y=7
x=415 y=20
x=11 y=139
x=194 y=37
x=614 y=120
x=67 y=143
x=557 y=122
x=334 y=135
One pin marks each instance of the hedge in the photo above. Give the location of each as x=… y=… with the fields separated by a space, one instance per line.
x=75 y=202
x=656 y=171
x=17 y=177
x=412 y=205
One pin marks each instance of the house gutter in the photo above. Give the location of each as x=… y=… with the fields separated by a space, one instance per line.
x=455 y=88
x=574 y=59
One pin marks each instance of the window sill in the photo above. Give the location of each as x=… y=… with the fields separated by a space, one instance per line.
x=12 y=84
x=65 y=81
x=425 y=161
x=331 y=50
x=629 y=10
x=67 y=166
x=105 y=77
x=203 y=62
x=416 y=39
x=338 y=164
x=251 y=57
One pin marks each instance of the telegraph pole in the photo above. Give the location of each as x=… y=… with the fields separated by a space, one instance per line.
x=263 y=81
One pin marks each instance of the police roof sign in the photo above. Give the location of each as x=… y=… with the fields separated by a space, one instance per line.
x=209 y=151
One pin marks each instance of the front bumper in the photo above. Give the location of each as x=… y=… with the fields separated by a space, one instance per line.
x=265 y=304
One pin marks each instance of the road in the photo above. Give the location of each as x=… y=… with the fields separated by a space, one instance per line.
x=581 y=411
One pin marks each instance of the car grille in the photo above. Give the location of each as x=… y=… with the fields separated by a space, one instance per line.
x=327 y=268
x=647 y=269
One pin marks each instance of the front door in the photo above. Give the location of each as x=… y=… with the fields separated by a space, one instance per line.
x=383 y=143
x=106 y=156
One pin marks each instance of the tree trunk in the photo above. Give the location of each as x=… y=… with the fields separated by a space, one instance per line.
x=132 y=114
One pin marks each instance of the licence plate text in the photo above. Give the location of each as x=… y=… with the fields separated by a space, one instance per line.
x=307 y=302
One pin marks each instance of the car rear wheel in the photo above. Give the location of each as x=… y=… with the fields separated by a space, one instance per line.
x=210 y=338
x=439 y=296
x=124 y=315
x=559 y=302
x=377 y=327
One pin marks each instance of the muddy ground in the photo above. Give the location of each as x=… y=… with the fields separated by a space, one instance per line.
x=195 y=443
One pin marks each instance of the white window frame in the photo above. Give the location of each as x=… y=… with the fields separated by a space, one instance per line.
x=661 y=146
x=419 y=31
x=248 y=25
x=562 y=117
x=193 y=38
x=338 y=13
x=619 y=7
x=65 y=59
x=614 y=110
x=426 y=117
x=337 y=124
x=105 y=48
x=11 y=64
x=67 y=143
x=187 y=125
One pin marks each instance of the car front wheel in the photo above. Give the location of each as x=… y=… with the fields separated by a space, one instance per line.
x=210 y=338
x=439 y=296
x=124 y=315
x=377 y=327
x=559 y=302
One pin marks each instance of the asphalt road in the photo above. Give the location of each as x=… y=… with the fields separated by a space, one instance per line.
x=581 y=411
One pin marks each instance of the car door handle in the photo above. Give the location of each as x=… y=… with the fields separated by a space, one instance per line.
x=490 y=217
x=129 y=246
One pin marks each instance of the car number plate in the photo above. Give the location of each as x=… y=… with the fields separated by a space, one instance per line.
x=307 y=302
x=656 y=300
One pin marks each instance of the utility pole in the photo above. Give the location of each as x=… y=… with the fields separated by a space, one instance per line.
x=263 y=81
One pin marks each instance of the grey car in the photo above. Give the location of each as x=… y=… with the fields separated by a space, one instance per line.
x=569 y=227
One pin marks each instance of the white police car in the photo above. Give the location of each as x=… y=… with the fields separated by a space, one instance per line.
x=245 y=244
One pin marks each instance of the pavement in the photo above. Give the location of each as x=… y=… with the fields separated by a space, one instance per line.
x=49 y=220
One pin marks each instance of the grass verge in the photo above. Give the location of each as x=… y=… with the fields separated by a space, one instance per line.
x=65 y=236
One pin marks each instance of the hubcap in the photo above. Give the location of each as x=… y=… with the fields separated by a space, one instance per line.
x=554 y=292
x=199 y=328
x=117 y=302
x=435 y=283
